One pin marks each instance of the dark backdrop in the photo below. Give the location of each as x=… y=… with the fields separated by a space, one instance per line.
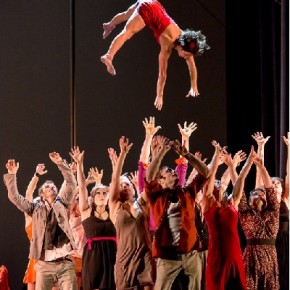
x=54 y=89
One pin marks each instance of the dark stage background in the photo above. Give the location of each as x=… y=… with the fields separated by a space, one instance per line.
x=55 y=92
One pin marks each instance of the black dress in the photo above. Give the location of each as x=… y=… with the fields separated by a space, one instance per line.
x=98 y=262
x=282 y=246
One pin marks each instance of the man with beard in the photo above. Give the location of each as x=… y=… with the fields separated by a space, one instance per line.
x=175 y=242
x=52 y=238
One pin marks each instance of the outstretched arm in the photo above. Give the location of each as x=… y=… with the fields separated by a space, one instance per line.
x=162 y=75
x=194 y=172
x=40 y=170
x=114 y=194
x=261 y=142
x=231 y=174
x=78 y=157
x=153 y=168
x=192 y=160
x=240 y=182
x=150 y=131
x=67 y=195
x=193 y=92
x=10 y=181
x=95 y=175
x=209 y=188
x=181 y=168
x=186 y=132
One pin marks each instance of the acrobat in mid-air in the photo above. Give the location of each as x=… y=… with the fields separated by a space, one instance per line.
x=188 y=43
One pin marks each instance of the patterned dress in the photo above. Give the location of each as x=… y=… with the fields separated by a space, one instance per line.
x=282 y=246
x=260 y=257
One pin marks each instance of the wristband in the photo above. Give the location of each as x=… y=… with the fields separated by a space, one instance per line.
x=37 y=174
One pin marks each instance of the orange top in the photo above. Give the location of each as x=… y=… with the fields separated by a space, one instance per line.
x=29 y=276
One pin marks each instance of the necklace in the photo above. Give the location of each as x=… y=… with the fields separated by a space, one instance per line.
x=101 y=213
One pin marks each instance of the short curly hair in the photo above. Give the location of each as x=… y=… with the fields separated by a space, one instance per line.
x=192 y=41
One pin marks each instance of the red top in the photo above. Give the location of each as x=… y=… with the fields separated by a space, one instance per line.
x=159 y=200
x=225 y=268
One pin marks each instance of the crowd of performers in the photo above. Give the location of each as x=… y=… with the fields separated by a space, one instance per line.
x=157 y=227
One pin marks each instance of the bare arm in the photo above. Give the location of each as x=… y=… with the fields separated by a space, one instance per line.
x=231 y=174
x=186 y=132
x=113 y=157
x=40 y=170
x=150 y=131
x=261 y=142
x=78 y=157
x=194 y=172
x=114 y=193
x=156 y=161
x=67 y=195
x=193 y=77
x=192 y=160
x=162 y=75
x=240 y=182
x=10 y=181
x=208 y=193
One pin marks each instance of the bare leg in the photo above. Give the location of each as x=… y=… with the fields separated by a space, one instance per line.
x=134 y=24
x=117 y=19
x=108 y=28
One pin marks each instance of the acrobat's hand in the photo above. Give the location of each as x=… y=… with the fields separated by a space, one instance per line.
x=192 y=93
x=158 y=103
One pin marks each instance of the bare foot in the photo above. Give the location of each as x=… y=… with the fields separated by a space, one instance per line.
x=106 y=59
x=107 y=29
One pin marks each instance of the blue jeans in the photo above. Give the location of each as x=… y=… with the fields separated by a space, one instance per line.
x=48 y=272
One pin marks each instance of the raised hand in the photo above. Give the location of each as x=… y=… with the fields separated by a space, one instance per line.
x=260 y=139
x=12 y=166
x=186 y=131
x=193 y=92
x=178 y=148
x=55 y=157
x=73 y=167
x=149 y=126
x=239 y=157
x=134 y=179
x=96 y=175
x=40 y=169
x=77 y=155
x=158 y=103
x=124 y=144
x=156 y=144
x=220 y=151
x=113 y=156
